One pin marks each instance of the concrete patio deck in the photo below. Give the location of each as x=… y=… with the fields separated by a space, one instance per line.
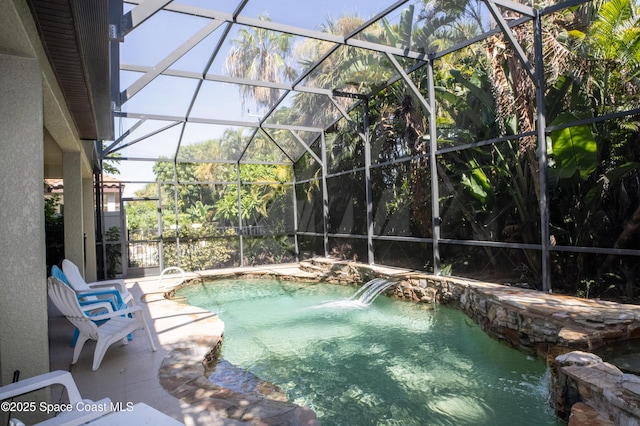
x=172 y=378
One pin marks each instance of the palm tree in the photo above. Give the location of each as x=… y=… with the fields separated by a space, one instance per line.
x=262 y=55
x=612 y=48
x=330 y=74
x=403 y=123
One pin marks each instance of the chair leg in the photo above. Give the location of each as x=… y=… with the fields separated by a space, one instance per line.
x=82 y=339
x=76 y=333
x=143 y=323
x=101 y=349
x=146 y=328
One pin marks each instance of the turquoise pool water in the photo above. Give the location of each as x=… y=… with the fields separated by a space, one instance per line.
x=392 y=363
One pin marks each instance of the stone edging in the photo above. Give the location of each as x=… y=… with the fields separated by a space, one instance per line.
x=187 y=380
x=583 y=383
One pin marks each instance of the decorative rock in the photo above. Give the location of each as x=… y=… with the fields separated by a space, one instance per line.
x=630 y=383
x=607 y=368
x=632 y=387
x=572 y=333
x=585 y=415
x=583 y=378
x=621 y=319
x=184 y=377
x=591 y=324
x=562 y=316
x=578 y=358
x=611 y=333
x=629 y=378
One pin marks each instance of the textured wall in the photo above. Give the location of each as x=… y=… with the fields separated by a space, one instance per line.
x=73 y=214
x=89 y=230
x=23 y=301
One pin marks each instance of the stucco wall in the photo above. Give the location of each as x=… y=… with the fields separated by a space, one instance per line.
x=30 y=102
x=23 y=301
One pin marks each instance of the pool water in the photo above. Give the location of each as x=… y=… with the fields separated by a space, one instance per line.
x=391 y=363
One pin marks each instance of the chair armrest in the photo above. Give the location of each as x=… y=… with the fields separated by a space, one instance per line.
x=74 y=417
x=89 y=305
x=119 y=313
x=114 y=293
x=59 y=377
x=119 y=284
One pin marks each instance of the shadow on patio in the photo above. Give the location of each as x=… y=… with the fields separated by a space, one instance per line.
x=172 y=379
x=129 y=374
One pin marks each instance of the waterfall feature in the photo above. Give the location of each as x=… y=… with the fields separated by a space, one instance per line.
x=369 y=291
x=361 y=298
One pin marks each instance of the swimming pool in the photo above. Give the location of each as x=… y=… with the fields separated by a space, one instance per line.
x=392 y=363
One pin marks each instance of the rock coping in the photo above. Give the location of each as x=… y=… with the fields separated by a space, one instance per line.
x=547 y=325
x=226 y=389
x=588 y=391
x=194 y=372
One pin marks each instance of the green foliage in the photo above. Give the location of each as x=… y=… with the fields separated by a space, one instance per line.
x=114 y=252
x=200 y=250
x=207 y=214
x=268 y=250
x=477 y=183
x=199 y=212
x=51 y=207
x=142 y=219
x=110 y=166
x=227 y=206
x=614 y=178
x=53 y=230
x=574 y=149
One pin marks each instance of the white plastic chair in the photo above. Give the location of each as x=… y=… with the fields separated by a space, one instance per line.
x=64 y=378
x=77 y=282
x=110 y=299
x=117 y=326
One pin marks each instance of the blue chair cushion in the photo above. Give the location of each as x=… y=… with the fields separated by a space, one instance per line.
x=57 y=272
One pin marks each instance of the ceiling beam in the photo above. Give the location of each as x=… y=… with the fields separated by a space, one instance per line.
x=298 y=31
x=143 y=11
x=235 y=123
x=227 y=79
x=143 y=81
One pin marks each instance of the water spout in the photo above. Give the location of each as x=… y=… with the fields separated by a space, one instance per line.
x=363 y=297
x=368 y=292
